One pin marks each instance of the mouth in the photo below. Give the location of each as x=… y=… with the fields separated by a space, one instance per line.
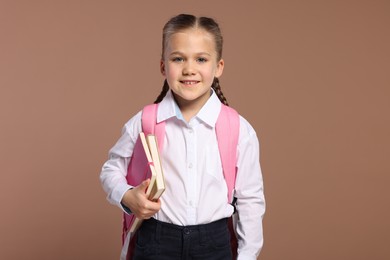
x=189 y=82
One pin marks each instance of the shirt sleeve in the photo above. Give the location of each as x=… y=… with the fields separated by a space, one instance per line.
x=249 y=193
x=114 y=170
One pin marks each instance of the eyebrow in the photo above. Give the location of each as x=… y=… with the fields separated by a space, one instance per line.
x=180 y=53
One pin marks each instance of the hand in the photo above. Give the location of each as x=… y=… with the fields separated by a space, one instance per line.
x=139 y=204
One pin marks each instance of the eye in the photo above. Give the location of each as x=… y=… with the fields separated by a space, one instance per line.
x=177 y=59
x=201 y=60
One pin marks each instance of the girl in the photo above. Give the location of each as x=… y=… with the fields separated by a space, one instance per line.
x=189 y=220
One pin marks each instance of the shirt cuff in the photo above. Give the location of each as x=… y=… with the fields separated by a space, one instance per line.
x=122 y=206
x=126 y=209
x=117 y=195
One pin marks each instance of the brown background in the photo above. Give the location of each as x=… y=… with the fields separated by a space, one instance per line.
x=313 y=78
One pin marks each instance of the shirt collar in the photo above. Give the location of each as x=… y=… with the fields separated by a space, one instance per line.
x=208 y=113
x=166 y=108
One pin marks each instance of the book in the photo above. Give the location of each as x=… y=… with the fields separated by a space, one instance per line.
x=153 y=174
x=157 y=184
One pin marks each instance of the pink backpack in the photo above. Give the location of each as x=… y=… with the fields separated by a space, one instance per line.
x=227 y=130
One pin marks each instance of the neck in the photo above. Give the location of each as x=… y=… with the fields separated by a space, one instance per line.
x=189 y=108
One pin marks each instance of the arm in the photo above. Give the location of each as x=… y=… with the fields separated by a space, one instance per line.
x=113 y=179
x=249 y=193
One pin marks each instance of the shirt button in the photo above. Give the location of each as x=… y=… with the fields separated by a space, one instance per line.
x=190 y=131
x=190 y=165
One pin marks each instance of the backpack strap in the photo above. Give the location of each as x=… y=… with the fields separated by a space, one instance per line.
x=227 y=129
x=138 y=169
x=150 y=125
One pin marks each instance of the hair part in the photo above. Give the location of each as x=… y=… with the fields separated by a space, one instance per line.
x=183 y=22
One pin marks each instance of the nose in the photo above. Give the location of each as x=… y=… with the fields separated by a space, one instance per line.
x=189 y=68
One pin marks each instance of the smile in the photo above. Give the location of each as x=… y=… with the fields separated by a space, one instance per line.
x=189 y=82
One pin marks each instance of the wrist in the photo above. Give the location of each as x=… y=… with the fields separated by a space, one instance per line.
x=125 y=201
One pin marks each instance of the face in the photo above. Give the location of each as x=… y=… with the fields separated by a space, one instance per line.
x=190 y=65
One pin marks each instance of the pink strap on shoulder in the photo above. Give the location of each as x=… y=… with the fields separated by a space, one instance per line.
x=227 y=130
x=150 y=125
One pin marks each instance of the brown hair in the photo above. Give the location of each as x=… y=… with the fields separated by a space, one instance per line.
x=186 y=21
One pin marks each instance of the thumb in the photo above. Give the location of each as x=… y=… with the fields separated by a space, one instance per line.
x=144 y=185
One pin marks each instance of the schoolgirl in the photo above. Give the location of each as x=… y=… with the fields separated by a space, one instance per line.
x=190 y=219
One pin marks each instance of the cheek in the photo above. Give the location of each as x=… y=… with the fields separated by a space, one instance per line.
x=171 y=72
x=209 y=73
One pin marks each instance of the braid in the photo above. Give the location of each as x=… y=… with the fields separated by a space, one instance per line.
x=218 y=91
x=164 y=91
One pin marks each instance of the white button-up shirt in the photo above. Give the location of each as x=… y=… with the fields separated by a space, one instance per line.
x=196 y=191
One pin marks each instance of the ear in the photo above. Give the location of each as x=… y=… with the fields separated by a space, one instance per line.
x=162 y=67
x=220 y=66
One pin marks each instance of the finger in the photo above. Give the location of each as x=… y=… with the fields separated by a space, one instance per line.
x=148 y=214
x=144 y=185
x=153 y=207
